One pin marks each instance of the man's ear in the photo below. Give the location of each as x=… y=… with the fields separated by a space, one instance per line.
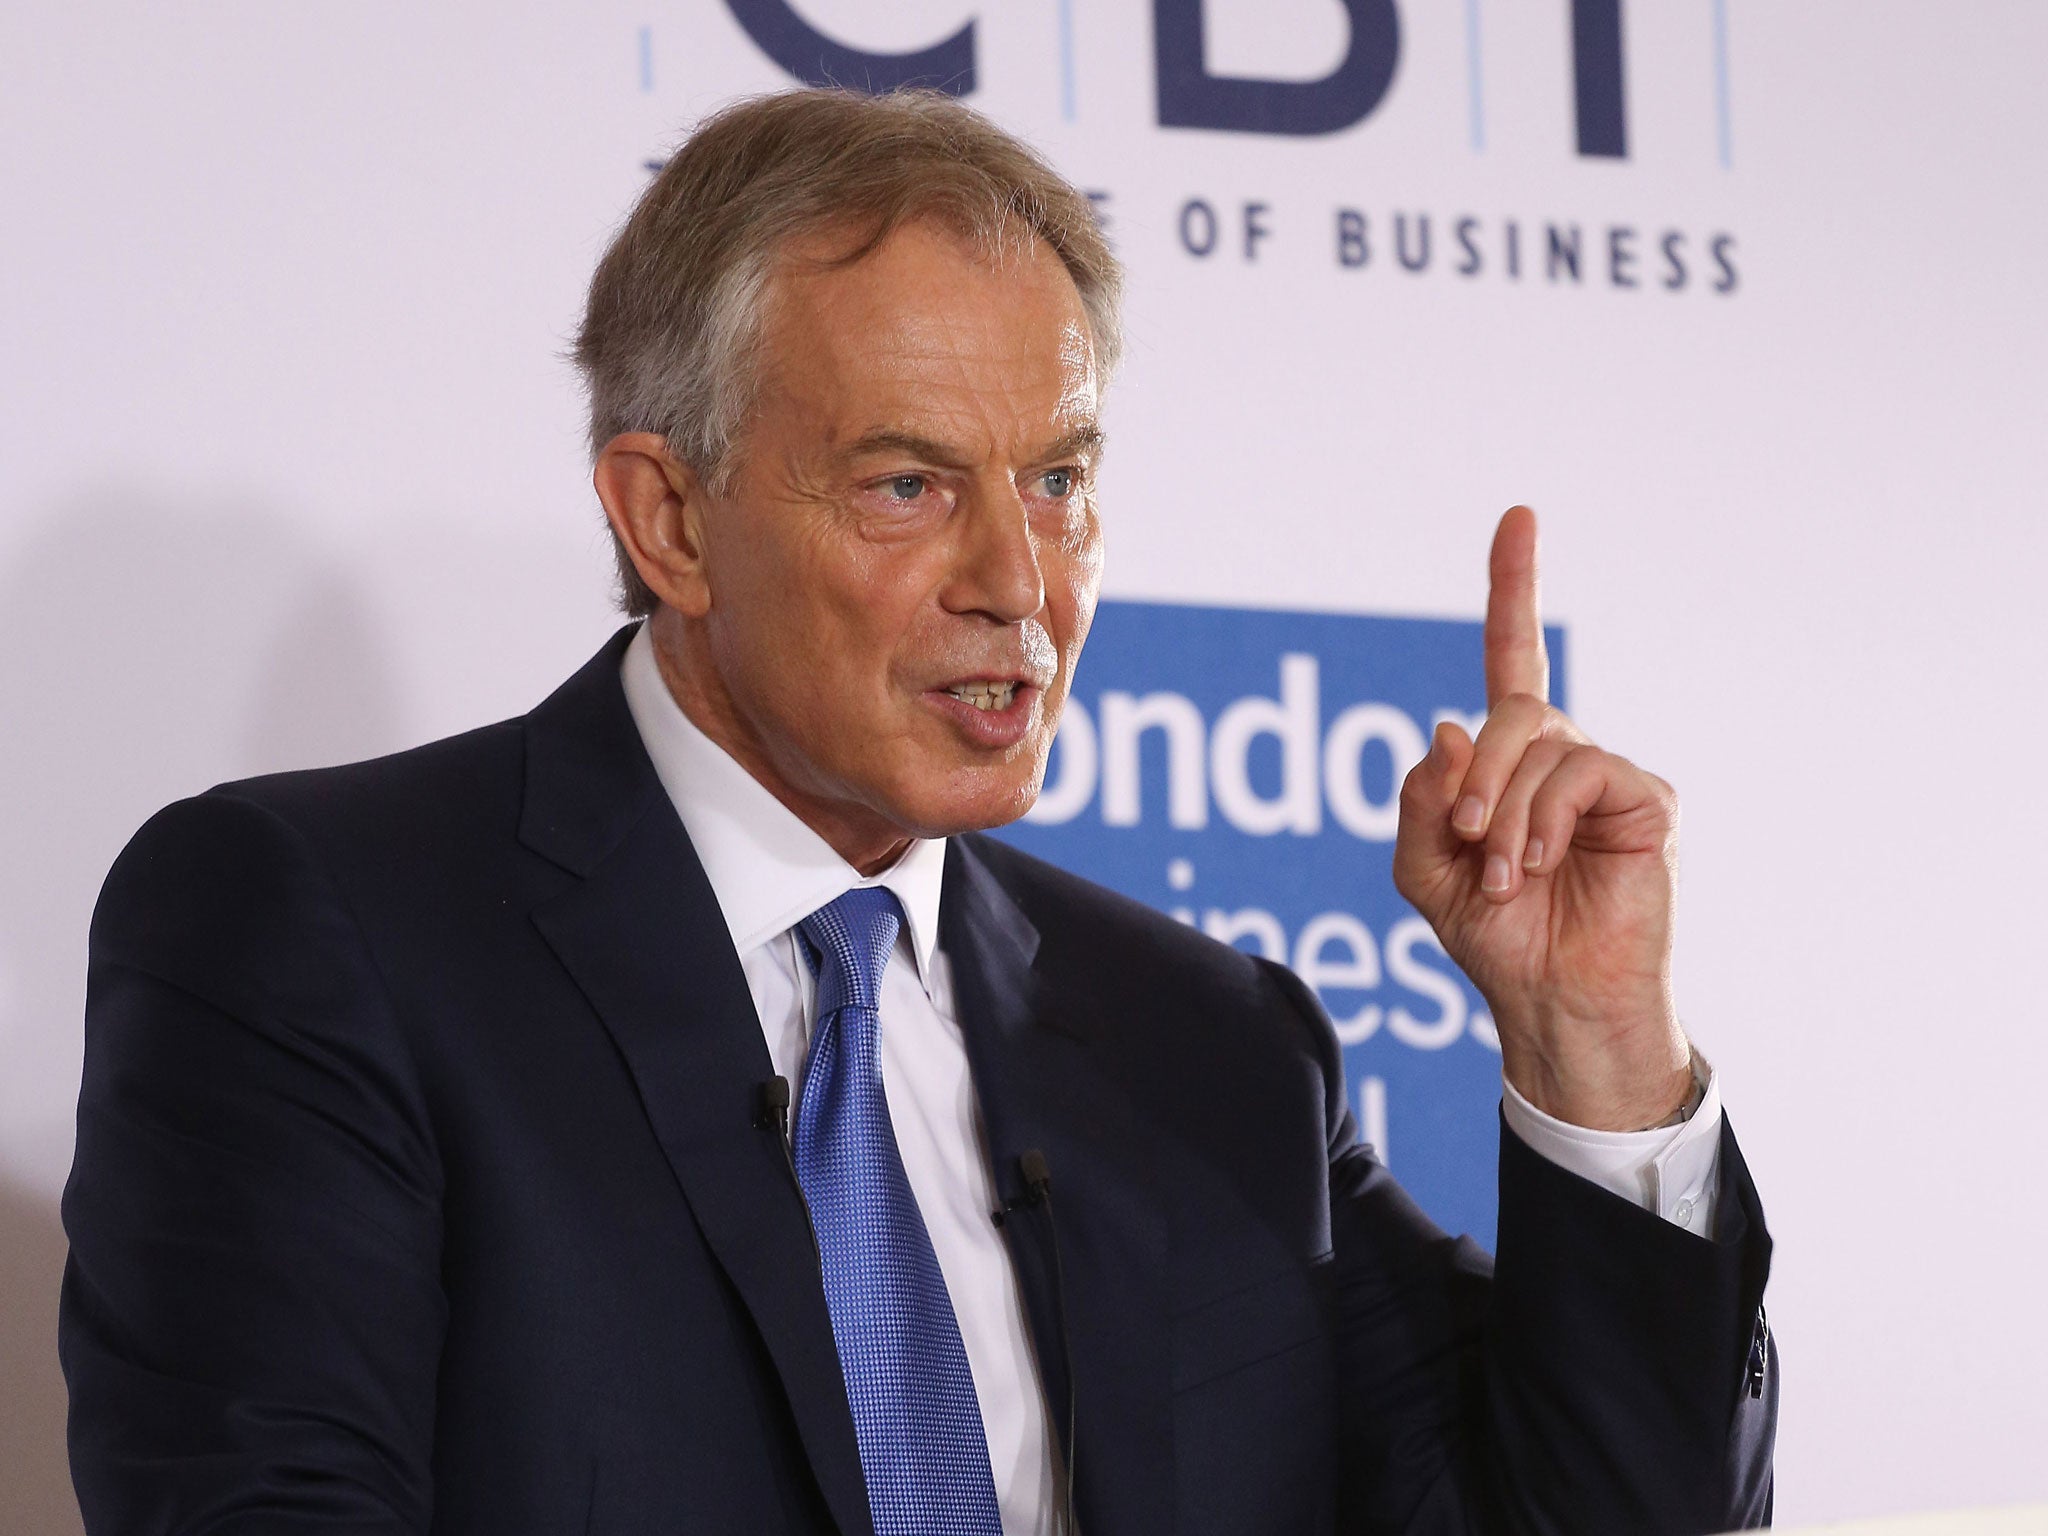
x=655 y=504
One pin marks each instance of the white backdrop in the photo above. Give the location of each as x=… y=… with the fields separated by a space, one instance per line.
x=290 y=472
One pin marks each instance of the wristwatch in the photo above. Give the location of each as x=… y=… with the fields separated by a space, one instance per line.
x=1693 y=1100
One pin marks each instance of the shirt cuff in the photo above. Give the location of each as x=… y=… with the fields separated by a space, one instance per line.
x=1673 y=1171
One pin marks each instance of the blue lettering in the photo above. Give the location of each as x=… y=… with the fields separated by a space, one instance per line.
x=1674 y=257
x=1352 y=250
x=1419 y=261
x=1564 y=252
x=1255 y=229
x=1191 y=97
x=1621 y=256
x=812 y=57
x=1597 y=78
x=1723 y=248
x=1469 y=266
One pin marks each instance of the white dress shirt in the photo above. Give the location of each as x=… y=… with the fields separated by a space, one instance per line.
x=769 y=871
x=1673 y=1171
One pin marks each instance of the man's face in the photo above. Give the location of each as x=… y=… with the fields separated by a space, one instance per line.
x=907 y=559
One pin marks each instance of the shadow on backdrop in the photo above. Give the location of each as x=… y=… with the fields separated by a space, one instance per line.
x=147 y=650
x=33 y=1472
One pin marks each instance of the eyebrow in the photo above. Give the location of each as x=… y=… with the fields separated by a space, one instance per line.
x=1083 y=439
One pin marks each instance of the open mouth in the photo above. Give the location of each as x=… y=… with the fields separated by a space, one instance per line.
x=987 y=697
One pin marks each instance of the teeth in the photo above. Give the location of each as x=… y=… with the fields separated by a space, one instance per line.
x=985 y=696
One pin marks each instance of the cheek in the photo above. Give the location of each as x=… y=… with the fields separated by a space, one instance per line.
x=872 y=610
x=813 y=609
x=870 y=652
x=1072 y=587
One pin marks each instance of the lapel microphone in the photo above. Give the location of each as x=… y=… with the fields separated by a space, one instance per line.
x=771 y=1113
x=771 y=1104
x=1037 y=1176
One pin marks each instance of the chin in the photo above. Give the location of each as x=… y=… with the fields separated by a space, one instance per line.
x=971 y=807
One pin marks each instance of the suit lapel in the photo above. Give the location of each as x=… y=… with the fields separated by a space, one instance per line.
x=643 y=937
x=1039 y=1088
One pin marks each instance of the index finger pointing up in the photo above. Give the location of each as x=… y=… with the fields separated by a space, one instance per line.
x=1515 y=659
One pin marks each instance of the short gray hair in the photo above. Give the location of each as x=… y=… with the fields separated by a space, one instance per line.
x=671 y=333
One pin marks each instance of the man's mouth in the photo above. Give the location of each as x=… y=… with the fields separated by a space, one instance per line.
x=984 y=696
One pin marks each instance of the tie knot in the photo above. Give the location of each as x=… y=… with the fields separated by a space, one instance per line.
x=848 y=943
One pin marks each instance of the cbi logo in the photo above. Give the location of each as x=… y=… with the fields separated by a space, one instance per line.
x=1189 y=95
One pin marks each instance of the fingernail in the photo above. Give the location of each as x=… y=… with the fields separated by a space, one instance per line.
x=1533 y=854
x=1496 y=876
x=1470 y=816
x=1439 y=754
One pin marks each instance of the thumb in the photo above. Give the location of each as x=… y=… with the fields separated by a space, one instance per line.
x=1426 y=844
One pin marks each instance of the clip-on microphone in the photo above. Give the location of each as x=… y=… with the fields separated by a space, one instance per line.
x=1037 y=1176
x=772 y=1104
x=771 y=1112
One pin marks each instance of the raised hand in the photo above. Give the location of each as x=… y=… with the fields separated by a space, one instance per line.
x=1547 y=868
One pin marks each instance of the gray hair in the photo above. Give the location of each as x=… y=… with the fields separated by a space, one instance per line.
x=671 y=335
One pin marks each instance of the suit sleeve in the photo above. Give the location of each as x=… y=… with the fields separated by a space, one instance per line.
x=1608 y=1372
x=251 y=1316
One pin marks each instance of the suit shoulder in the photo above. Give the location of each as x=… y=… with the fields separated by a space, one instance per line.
x=1087 y=926
x=478 y=765
x=239 y=846
x=1053 y=897
x=1216 y=1043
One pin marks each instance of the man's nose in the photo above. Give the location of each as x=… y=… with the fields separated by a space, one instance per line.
x=998 y=571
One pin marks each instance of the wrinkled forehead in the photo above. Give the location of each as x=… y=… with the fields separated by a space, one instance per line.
x=928 y=326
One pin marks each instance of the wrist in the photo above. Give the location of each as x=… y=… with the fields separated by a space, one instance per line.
x=1605 y=1079
x=1697 y=1065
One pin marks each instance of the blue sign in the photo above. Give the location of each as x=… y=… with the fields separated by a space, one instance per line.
x=1241 y=770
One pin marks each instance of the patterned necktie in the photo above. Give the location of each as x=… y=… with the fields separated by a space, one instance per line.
x=922 y=1449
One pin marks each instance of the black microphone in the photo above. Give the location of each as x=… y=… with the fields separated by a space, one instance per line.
x=1037 y=1176
x=771 y=1113
x=772 y=1104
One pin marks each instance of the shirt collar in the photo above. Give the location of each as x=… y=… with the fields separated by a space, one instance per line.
x=768 y=869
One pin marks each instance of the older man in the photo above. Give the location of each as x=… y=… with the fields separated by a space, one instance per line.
x=662 y=1113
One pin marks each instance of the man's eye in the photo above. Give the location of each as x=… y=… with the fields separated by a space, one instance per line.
x=906 y=487
x=1058 y=483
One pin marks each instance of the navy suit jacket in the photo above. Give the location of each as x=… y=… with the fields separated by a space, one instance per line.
x=421 y=1185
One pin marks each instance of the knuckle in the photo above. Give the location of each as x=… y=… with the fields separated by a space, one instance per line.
x=1666 y=797
x=1512 y=811
x=1532 y=769
x=1485 y=757
x=1587 y=758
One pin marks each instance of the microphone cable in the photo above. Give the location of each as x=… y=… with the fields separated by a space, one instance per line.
x=1037 y=1175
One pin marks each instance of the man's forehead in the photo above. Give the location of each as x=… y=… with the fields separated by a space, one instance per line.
x=925 y=286
x=851 y=249
x=926 y=336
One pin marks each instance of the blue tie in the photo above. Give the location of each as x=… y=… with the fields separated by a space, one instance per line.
x=922 y=1450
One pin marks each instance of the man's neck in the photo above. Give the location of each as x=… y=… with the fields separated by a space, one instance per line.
x=863 y=839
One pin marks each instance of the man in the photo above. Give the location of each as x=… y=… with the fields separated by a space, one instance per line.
x=663 y=1113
